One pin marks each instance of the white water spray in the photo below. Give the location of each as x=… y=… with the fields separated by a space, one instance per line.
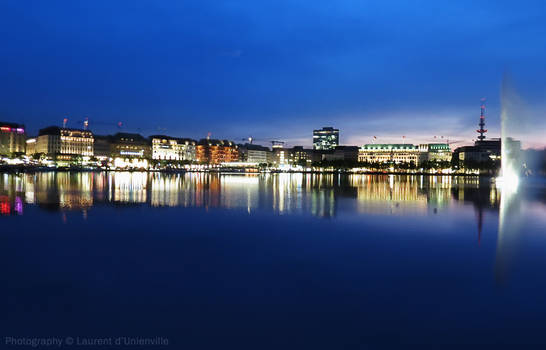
x=508 y=181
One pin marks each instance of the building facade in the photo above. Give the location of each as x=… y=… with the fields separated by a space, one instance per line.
x=300 y=156
x=209 y=151
x=101 y=147
x=484 y=151
x=30 y=146
x=389 y=153
x=172 y=148
x=125 y=145
x=12 y=138
x=326 y=138
x=434 y=152
x=254 y=154
x=55 y=141
x=281 y=156
x=342 y=153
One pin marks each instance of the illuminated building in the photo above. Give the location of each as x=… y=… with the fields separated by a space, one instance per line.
x=211 y=151
x=65 y=143
x=389 y=153
x=486 y=151
x=31 y=146
x=172 y=148
x=254 y=154
x=12 y=138
x=483 y=151
x=126 y=145
x=300 y=155
x=281 y=156
x=129 y=150
x=326 y=138
x=435 y=152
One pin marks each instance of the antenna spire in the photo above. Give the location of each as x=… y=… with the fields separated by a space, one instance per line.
x=481 y=130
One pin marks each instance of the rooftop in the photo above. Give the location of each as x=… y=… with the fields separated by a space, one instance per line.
x=11 y=125
x=55 y=130
x=385 y=146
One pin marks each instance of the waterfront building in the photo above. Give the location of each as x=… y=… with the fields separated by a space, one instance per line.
x=30 y=148
x=435 y=152
x=483 y=151
x=130 y=150
x=12 y=138
x=326 y=138
x=389 y=153
x=342 y=153
x=125 y=145
x=101 y=147
x=65 y=143
x=212 y=151
x=173 y=148
x=281 y=156
x=187 y=149
x=300 y=156
x=254 y=154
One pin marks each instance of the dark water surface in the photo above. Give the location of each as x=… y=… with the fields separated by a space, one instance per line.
x=273 y=261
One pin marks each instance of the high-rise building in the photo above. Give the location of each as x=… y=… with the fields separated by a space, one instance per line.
x=326 y=138
x=63 y=142
x=12 y=138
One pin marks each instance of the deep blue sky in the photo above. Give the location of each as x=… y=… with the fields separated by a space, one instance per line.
x=273 y=70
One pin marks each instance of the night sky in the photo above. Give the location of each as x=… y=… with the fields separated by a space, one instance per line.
x=274 y=70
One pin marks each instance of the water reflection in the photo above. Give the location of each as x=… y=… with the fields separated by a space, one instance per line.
x=318 y=194
x=481 y=194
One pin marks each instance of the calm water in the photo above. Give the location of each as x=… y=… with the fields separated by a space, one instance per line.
x=273 y=261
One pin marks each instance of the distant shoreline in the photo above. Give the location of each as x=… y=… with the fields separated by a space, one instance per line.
x=30 y=170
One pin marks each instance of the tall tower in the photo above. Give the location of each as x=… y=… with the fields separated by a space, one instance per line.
x=481 y=130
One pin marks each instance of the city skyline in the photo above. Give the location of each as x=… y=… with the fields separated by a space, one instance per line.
x=279 y=174
x=272 y=71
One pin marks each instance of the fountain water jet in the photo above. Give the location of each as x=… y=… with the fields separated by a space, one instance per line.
x=508 y=182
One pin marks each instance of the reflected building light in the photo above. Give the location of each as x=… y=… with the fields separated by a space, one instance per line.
x=130 y=187
x=5 y=181
x=165 y=191
x=315 y=194
x=18 y=184
x=384 y=195
x=5 y=207
x=18 y=205
x=29 y=197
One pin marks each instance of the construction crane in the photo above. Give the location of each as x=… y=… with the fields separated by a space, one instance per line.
x=274 y=142
x=86 y=122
